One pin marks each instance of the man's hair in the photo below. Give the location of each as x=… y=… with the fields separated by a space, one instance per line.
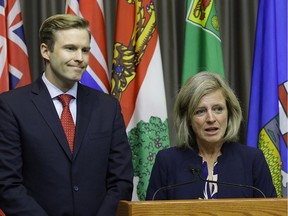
x=60 y=22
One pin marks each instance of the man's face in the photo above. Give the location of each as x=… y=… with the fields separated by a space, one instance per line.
x=69 y=58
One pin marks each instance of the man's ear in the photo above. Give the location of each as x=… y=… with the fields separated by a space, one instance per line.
x=44 y=51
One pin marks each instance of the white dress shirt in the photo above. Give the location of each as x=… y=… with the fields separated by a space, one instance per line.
x=55 y=92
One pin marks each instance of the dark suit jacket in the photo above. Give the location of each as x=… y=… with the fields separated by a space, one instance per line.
x=38 y=174
x=238 y=164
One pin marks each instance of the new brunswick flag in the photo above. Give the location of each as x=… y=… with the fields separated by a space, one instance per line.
x=137 y=82
x=202 y=47
x=268 y=119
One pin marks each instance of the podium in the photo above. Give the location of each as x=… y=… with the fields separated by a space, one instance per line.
x=215 y=207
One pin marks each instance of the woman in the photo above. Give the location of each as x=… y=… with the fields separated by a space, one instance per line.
x=207 y=118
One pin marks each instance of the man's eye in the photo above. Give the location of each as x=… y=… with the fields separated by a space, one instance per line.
x=85 y=50
x=70 y=48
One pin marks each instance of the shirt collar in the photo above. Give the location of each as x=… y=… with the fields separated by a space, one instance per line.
x=54 y=91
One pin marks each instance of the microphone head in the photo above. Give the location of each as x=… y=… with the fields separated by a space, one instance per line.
x=196 y=170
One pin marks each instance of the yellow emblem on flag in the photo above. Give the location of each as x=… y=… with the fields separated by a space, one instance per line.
x=203 y=13
x=272 y=156
x=200 y=12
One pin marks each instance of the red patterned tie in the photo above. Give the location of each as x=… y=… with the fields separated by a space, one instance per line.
x=67 y=120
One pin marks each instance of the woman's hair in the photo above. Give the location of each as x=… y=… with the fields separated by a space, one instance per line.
x=60 y=22
x=188 y=98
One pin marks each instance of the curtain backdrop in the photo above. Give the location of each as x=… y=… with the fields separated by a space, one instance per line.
x=237 y=22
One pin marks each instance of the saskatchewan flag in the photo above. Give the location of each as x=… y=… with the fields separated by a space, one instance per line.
x=268 y=109
x=202 y=48
x=137 y=82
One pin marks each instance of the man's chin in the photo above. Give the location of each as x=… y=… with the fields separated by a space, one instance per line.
x=77 y=77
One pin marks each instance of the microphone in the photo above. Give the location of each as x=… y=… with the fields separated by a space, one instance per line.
x=168 y=187
x=197 y=171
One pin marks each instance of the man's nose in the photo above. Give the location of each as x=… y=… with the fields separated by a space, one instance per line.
x=78 y=55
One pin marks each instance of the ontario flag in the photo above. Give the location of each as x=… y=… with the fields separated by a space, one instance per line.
x=268 y=110
x=14 y=63
x=96 y=75
x=137 y=82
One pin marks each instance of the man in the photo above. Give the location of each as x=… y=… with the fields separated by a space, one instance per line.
x=40 y=173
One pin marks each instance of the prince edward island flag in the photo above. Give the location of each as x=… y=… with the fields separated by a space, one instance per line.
x=137 y=82
x=268 y=121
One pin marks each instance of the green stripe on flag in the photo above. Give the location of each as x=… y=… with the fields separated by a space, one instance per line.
x=202 y=49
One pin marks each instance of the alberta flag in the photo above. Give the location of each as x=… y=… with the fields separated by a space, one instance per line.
x=202 y=47
x=268 y=119
x=97 y=74
x=137 y=82
x=14 y=63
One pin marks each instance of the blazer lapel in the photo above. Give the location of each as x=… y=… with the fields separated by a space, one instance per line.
x=42 y=100
x=84 y=110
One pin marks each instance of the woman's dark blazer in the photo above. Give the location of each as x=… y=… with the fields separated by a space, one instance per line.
x=238 y=164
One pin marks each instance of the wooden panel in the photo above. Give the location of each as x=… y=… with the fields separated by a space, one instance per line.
x=221 y=207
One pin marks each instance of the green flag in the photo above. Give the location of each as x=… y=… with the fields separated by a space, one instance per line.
x=202 y=49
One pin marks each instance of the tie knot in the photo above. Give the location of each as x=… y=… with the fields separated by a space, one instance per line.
x=65 y=99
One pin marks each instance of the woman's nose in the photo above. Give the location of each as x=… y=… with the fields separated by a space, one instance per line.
x=210 y=116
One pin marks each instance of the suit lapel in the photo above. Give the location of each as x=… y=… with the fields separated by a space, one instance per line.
x=84 y=110
x=42 y=100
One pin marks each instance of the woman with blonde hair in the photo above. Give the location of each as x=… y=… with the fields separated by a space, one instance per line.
x=207 y=117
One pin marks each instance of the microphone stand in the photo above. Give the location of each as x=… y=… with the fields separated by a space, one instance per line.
x=168 y=187
x=197 y=172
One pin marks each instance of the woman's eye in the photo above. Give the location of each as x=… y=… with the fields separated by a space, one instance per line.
x=200 y=112
x=218 y=109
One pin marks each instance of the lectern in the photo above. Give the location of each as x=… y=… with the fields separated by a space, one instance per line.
x=215 y=207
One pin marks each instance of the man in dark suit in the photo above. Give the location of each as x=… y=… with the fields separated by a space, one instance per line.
x=40 y=174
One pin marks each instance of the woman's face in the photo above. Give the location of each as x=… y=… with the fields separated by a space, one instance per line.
x=209 y=121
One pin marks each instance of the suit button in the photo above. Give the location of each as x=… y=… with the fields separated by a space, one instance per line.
x=76 y=188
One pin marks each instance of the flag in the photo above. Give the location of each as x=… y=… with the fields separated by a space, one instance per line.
x=97 y=74
x=137 y=82
x=202 y=45
x=14 y=67
x=268 y=120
